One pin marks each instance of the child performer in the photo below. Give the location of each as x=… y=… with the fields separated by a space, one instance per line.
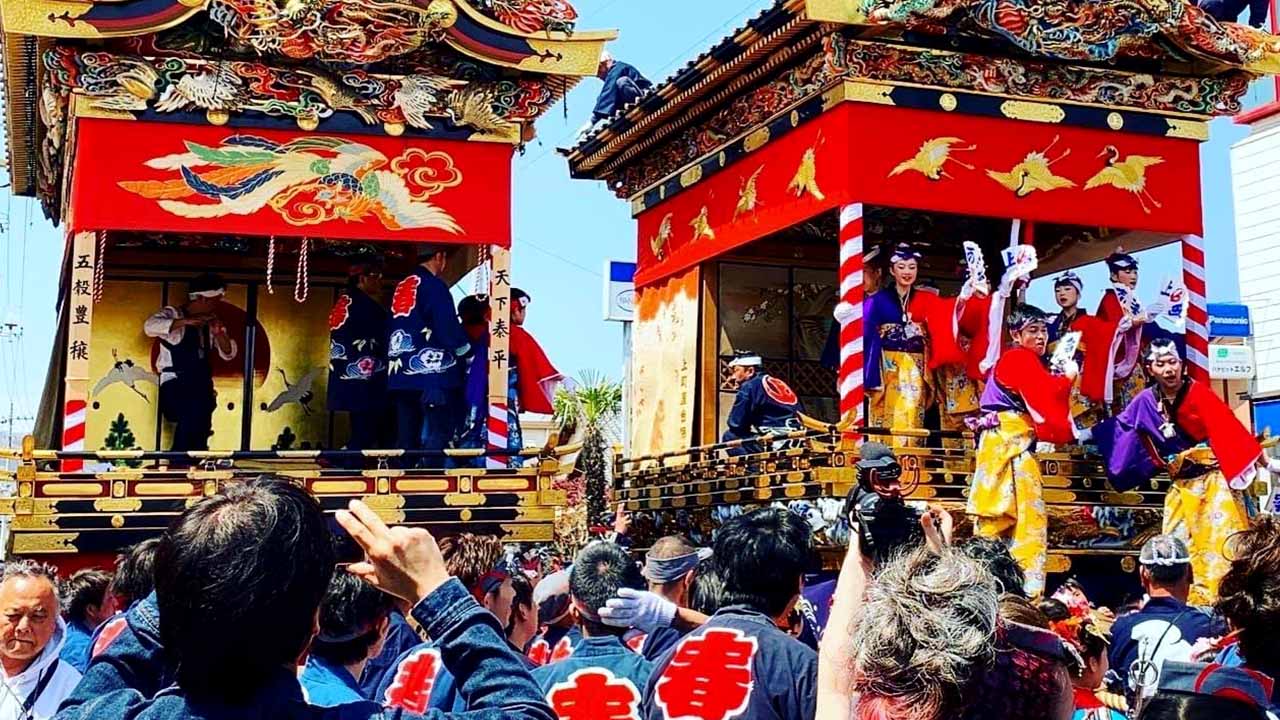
x=1166 y=427
x=1023 y=403
x=1120 y=305
x=1088 y=396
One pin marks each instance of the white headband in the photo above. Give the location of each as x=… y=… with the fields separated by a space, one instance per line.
x=208 y=294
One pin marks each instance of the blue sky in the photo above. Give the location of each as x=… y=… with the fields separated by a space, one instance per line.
x=565 y=229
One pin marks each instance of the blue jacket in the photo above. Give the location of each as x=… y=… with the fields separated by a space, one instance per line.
x=497 y=687
x=357 y=353
x=1164 y=629
x=436 y=687
x=602 y=659
x=401 y=638
x=611 y=98
x=327 y=684
x=426 y=340
x=739 y=660
x=763 y=401
x=75 y=651
x=658 y=642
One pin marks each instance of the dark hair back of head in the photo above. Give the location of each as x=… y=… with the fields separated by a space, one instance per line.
x=1178 y=706
x=136 y=572
x=994 y=555
x=1249 y=594
x=350 y=619
x=239 y=578
x=762 y=556
x=599 y=571
x=81 y=590
x=706 y=595
x=469 y=557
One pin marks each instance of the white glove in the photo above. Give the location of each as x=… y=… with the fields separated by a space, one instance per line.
x=967 y=291
x=638 y=609
x=1126 y=324
x=844 y=313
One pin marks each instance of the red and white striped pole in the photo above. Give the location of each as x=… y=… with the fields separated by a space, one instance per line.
x=1193 y=276
x=499 y=360
x=851 y=294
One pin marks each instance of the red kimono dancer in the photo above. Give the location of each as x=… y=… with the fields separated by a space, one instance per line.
x=1024 y=403
x=1124 y=379
x=958 y=337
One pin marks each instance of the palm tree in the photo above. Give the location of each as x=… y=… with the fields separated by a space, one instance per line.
x=594 y=406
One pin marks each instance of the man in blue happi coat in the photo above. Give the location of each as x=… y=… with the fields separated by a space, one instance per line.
x=425 y=350
x=764 y=404
x=358 y=355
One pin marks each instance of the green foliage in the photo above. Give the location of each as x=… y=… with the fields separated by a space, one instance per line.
x=120 y=437
x=592 y=406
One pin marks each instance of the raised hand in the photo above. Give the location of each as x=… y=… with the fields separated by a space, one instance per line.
x=400 y=561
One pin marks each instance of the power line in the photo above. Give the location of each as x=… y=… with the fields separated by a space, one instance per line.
x=560 y=257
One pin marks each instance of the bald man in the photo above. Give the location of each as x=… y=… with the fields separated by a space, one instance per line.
x=31 y=637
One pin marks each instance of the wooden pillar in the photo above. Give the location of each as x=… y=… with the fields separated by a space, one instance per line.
x=79 y=313
x=499 y=353
x=1193 y=277
x=851 y=381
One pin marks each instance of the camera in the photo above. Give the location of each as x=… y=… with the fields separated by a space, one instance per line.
x=887 y=525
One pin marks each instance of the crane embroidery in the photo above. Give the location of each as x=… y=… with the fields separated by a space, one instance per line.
x=1129 y=174
x=1034 y=173
x=307 y=181
x=806 y=178
x=658 y=242
x=932 y=158
x=702 y=226
x=748 y=197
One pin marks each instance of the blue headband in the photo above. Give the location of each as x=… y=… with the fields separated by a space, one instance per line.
x=665 y=570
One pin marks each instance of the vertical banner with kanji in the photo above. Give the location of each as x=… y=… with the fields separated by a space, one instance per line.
x=79 y=304
x=499 y=353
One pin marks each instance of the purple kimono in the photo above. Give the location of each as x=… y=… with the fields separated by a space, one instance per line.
x=884 y=308
x=1127 y=442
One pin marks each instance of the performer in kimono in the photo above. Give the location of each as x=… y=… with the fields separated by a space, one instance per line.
x=1023 y=403
x=424 y=353
x=897 y=377
x=187 y=334
x=1120 y=305
x=532 y=380
x=1181 y=426
x=1088 y=394
x=764 y=404
x=358 y=355
x=957 y=329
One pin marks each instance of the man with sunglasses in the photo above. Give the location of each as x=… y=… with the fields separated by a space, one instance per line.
x=358 y=354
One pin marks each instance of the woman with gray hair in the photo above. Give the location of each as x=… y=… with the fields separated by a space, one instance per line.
x=926 y=642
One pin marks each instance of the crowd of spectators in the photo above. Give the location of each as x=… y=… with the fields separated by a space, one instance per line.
x=242 y=609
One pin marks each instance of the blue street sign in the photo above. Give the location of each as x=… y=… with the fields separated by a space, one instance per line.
x=1229 y=320
x=619 y=290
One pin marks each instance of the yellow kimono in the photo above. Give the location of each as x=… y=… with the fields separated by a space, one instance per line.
x=1006 y=498
x=1204 y=512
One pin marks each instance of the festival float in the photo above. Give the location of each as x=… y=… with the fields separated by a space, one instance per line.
x=760 y=174
x=274 y=143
